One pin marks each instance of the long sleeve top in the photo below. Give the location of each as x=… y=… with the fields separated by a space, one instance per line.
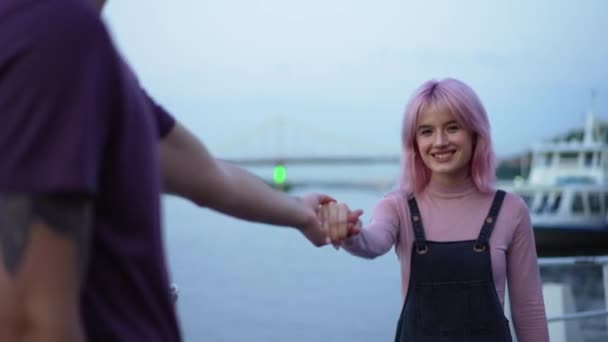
x=456 y=213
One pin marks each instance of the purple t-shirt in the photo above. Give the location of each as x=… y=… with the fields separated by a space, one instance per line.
x=74 y=119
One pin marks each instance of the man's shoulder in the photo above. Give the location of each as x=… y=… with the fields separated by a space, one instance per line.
x=73 y=25
x=54 y=26
x=45 y=43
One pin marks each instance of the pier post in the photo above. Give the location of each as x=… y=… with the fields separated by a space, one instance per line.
x=559 y=301
x=605 y=275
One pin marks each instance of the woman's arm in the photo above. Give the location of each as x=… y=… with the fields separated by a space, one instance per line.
x=525 y=286
x=376 y=238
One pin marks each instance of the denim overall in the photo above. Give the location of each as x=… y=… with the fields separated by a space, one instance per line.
x=451 y=294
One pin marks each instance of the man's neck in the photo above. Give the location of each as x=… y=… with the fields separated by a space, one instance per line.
x=99 y=4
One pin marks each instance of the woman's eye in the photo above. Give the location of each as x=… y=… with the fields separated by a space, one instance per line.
x=453 y=128
x=425 y=131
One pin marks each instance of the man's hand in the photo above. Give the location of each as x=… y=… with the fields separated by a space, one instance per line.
x=328 y=222
x=339 y=222
x=312 y=227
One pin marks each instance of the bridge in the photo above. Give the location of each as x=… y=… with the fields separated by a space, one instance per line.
x=299 y=142
x=316 y=160
x=287 y=144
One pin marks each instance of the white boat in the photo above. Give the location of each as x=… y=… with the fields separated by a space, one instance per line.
x=567 y=191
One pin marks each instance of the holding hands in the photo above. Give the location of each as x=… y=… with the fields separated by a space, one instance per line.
x=328 y=221
x=338 y=221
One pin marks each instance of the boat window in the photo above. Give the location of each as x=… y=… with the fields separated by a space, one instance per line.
x=542 y=205
x=556 y=203
x=568 y=159
x=548 y=159
x=577 y=204
x=594 y=203
x=588 y=158
x=575 y=180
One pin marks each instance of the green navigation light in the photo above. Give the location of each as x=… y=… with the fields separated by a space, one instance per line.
x=279 y=174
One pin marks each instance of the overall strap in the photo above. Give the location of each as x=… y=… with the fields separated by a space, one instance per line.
x=488 y=224
x=420 y=238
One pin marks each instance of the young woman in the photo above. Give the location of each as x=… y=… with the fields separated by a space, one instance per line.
x=458 y=239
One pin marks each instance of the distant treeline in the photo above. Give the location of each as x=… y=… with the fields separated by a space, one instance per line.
x=512 y=167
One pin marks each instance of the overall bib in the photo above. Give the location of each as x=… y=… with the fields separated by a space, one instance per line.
x=451 y=294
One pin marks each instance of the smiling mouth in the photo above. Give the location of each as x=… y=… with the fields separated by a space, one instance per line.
x=443 y=156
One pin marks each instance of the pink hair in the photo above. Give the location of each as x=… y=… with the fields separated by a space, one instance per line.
x=463 y=104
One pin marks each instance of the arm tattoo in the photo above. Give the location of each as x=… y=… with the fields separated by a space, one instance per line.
x=66 y=215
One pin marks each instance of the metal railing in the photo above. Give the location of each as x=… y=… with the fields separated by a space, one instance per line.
x=579 y=261
x=544 y=262
x=578 y=315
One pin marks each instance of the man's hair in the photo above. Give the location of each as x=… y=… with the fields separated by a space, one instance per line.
x=460 y=101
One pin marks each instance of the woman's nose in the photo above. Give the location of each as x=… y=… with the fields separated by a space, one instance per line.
x=441 y=139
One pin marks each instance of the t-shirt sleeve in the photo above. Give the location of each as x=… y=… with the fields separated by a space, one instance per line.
x=58 y=90
x=164 y=120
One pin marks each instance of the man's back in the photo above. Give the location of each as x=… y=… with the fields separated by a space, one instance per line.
x=74 y=121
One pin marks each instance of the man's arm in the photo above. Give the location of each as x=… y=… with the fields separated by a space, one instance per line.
x=43 y=244
x=60 y=90
x=190 y=171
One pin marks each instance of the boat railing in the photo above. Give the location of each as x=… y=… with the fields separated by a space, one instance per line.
x=601 y=261
x=543 y=262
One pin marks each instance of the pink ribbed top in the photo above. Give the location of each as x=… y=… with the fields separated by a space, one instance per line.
x=456 y=213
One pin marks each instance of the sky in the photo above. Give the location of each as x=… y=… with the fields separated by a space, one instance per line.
x=256 y=78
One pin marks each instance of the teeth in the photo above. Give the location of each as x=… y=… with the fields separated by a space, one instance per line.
x=443 y=155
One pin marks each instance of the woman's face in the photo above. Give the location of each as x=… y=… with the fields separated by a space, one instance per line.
x=445 y=146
